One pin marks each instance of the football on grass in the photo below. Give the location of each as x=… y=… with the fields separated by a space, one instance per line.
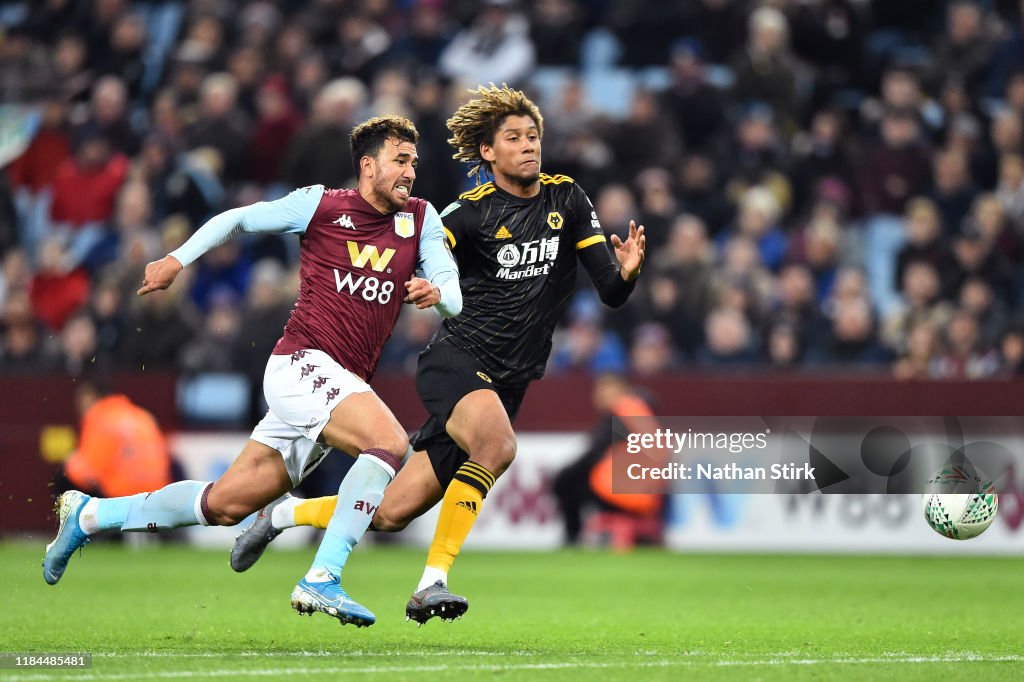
x=960 y=515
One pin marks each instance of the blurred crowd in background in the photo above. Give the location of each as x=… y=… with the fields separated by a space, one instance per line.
x=826 y=184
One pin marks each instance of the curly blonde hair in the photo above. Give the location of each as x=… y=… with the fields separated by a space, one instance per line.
x=477 y=121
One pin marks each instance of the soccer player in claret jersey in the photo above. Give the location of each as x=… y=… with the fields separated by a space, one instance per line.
x=359 y=253
x=517 y=240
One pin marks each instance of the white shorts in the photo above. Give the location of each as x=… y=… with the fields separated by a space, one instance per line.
x=301 y=390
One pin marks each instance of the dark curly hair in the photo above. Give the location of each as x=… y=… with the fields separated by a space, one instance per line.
x=368 y=137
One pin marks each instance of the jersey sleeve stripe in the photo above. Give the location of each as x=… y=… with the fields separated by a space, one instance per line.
x=478 y=192
x=584 y=243
x=451 y=237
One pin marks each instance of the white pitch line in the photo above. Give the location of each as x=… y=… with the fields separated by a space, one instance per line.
x=569 y=665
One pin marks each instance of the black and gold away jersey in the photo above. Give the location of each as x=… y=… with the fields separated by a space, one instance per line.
x=517 y=264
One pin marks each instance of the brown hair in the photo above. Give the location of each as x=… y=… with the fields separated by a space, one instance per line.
x=368 y=137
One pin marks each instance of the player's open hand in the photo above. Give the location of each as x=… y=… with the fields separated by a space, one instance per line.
x=160 y=274
x=422 y=293
x=630 y=253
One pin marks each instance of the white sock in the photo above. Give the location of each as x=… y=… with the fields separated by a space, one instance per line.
x=283 y=515
x=430 y=576
x=87 y=519
x=318 y=575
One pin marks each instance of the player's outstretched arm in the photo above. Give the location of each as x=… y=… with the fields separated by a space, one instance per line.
x=630 y=253
x=290 y=214
x=160 y=274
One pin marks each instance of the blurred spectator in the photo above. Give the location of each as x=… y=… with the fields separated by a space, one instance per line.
x=893 y=172
x=976 y=255
x=78 y=345
x=925 y=242
x=320 y=154
x=121 y=450
x=32 y=175
x=584 y=345
x=978 y=299
x=158 y=326
x=57 y=289
x=921 y=301
x=853 y=339
x=211 y=350
x=764 y=69
x=496 y=48
x=657 y=205
x=965 y=356
x=967 y=45
x=783 y=349
x=124 y=59
x=758 y=221
x=557 y=29
x=586 y=482
x=821 y=163
x=795 y=310
x=107 y=316
x=25 y=346
x=953 y=191
x=15 y=275
x=1010 y=189
x=221 y=125
x=263 y=317
x=1011 y=352
x=651 y=352
x=829 y=34
x=646 y=28
x=644 y=138
x=108 y=115
x=695 y=106
x=728 y=340
x=701 y=193
x=429 y=33
x=85 y=189
x=276 y=124
x=918 y=358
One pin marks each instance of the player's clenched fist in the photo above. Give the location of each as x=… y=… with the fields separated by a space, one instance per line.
x=159 y=274
x=422 y=293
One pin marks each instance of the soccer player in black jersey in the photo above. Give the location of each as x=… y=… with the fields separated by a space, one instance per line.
x=516 y=239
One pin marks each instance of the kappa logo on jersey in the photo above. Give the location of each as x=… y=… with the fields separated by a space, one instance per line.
x=503 y=233
x=405 y=225
x=369 y=254
x=332 y=394
x=307 y=370
x=318 y=383
x=345 y=221
x=555 y=220
x=534 y=258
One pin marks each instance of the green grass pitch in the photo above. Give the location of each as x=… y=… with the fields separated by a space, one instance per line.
x=172 y=612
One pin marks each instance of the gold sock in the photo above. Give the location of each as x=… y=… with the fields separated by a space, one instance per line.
x=316 y=512
x=459 y=508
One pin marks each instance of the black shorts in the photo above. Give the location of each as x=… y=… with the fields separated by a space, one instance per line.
x=444 y=375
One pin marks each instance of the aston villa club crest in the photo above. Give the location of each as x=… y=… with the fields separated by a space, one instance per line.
x=405 y=225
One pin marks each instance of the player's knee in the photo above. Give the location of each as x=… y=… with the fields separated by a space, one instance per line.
x=498 y=453
x=396 y=444
x=387 y=521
